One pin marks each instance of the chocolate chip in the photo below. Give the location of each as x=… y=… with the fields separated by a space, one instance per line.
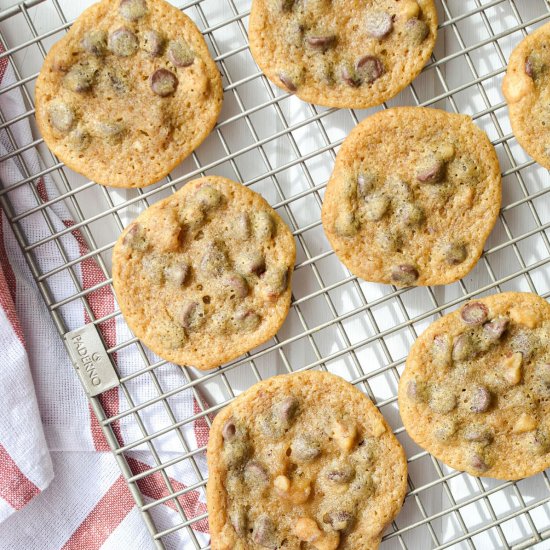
x=81 y=75
x=478 y=463
x=415 y=390
x=118 y=80
x=480 y=399
x=369 y=68
x=410 y=214
x=163 y=82
x=441 y=351
x=474 y=313
x=375 y=207
x=339 y=520
x=153 y=43
x=341 y=474
x=431 y=170
x=541 y=441
x=535 y=65
x=416 y=30
x=286 y=411
x=288 y=82
x=346 y=224
x=276 y=281
x=255 y=475
x=252 y=262
x=79 y=139
x=208 y=197
x=264 y=225
x=189 y=314
x=177 y=274
x=320 y=42
x=239 y=521
x=62 y=116
x=264 y=532
x=236 y=284
x=240 y=228
x=464 y=347
x=365 y=184
x=442 y=401
x=135 y=237
x=404 y=274
x=123 y=42
x=378 y=24
x=95 y=42
x=109 y=130
x=286 y=5
x=229 y=430
x=494 y=330
x=445 y=430
x=349 y=75
x=478 y=434
x=305 y=449
x=180 y=53
x=455 y=253
x=247 y=320
x=132 y=10
x=214 y=261
x=525 y=342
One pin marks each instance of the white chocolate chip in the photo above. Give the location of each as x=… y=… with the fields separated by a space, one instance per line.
x=525 y=423
x=525 y=317
x=410 y=9
x=344 y=435
x=512 y=368
x=307 y=531
x=297 y=493
x=517 y=85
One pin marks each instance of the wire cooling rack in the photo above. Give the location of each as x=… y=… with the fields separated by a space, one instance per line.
x=285 y=149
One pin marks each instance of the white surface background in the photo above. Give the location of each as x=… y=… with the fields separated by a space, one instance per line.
x=309 y=151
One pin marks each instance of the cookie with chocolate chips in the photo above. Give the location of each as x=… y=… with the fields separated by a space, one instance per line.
x=204 y=275
x=303 y=458
x=475 y=392
x=526 y=87
x=128 y=92
x=413 y=196
x=342 y=53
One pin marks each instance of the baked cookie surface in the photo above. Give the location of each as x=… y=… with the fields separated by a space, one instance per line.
x=303 y=458
x=526 y=87
x=475 y=392
x=413 y=196
x=342 y=53
x=128 y=92
x=204 y=275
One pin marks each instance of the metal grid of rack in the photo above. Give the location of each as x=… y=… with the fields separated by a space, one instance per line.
x=337 y=322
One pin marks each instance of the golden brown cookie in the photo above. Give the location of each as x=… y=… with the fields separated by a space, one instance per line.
x=526 y=87
x=413 y=196
x=204 y=275
x=342 y=53
x=475 y=392
x=128 y=92
x=304 y=458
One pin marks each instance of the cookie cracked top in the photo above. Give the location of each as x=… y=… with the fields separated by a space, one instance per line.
x=128 y=92
x=342 y=53
x=413 y=196
x=204 y=275
x=303 y=461
x=526 y=87
x=475 y=392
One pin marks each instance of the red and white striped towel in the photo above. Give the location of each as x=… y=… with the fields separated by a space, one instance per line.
x=59 y=487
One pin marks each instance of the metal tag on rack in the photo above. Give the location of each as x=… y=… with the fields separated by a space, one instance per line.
x=90 y=360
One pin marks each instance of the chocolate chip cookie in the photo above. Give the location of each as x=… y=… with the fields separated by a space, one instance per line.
x=476 y=388
x=128 y=92
x=413 y=196
x=342 y=53
x=526 y=87
x=303 y=458
x=204 y=275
